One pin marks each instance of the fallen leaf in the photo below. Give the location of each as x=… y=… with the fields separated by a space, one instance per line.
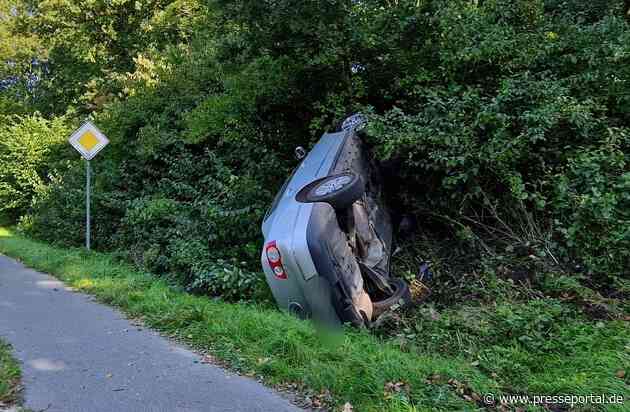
x=347 y=407
x=621 y=373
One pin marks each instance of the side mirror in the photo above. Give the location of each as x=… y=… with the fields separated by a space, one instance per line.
x=300 y=153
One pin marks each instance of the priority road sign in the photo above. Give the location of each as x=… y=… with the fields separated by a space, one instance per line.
x=88 y=140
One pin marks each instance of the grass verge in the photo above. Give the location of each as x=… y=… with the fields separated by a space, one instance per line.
x=356 y=367
x=433 y=361
x=9 y=377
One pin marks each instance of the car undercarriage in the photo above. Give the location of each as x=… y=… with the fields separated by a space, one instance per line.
x=348 y=236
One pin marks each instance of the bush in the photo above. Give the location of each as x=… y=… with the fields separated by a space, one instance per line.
x=524 y=113
x=489 y=114
x=30 y=149
x=58 y=211
x=229 y=279
x=593 y=206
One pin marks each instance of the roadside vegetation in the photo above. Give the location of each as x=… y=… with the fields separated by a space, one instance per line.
x=502 y=129
x=439 y=360
x=501 y=125
x=9 y=377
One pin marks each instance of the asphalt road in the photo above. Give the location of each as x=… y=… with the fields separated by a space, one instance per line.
x=81 y=356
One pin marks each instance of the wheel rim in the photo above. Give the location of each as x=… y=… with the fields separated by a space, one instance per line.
x=332 y=185
x=354 y=121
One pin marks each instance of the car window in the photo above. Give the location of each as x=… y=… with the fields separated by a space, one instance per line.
x=276 y=200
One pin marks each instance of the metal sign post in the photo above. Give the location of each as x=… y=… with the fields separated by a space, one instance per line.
x=88 y=141
x=87 y=205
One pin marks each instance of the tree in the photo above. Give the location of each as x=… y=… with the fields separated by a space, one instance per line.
x=77 y=52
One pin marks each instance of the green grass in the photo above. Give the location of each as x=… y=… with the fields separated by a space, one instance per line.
x=9 y=376
x=439 y=362
x=354 y=367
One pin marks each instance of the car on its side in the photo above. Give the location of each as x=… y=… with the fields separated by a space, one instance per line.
x=328 y=235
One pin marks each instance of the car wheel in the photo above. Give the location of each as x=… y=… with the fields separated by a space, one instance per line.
x=401 y=295
x=355 y=121
x=340 y=190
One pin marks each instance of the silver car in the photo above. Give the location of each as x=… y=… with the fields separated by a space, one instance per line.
x=328 y=235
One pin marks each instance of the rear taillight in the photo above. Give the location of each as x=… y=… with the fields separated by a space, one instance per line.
x=275 y=260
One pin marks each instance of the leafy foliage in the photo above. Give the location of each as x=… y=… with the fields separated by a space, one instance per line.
x=491 y=113
x=29 y=147
x=528 y=114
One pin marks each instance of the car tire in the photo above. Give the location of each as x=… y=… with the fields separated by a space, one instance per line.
x=354 y=121
x=401 y=295
x=339 y=190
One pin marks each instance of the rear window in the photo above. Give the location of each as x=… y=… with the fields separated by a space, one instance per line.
x=276 y=199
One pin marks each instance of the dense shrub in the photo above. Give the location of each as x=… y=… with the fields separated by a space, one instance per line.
x=30 y=147
x=172 y=191
x=489 y=114
x=593 y=206
x=57 y=213
x=534 y=112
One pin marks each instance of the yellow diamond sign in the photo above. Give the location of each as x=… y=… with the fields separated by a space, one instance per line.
x=88 y=140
